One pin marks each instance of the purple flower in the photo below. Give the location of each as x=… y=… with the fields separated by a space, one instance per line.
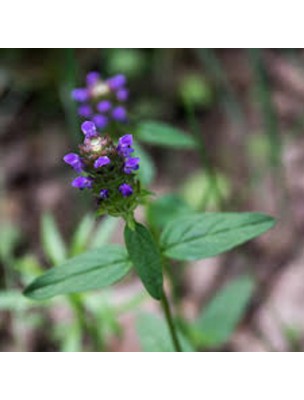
x=85 y=110
x=92 y=78
x=101 y=161
x=74 y=161
x=125 y=189
x=82 y=182
x=104 y=106
x=89 y=129
x=80 y=95
x=124 y=145
x=104 y=194
x=131 y=164
x=126 y=140
x=122 y=94
x=119 y=114
x=100 y=121
x=117 y=81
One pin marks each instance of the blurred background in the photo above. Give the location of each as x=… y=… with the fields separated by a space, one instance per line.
x=245 y=108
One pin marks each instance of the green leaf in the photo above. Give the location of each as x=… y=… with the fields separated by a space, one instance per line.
x=146 y=171
x=146 y=258
x=103 y=232
x=165 y=209
x=202 y=190
x=207 y=235
x=219 y=319
x=161 y=134
x=81 y=236
x=154 y=335
x=196 y=90
x=9 y=238
x=53 y=243
x=92 y=270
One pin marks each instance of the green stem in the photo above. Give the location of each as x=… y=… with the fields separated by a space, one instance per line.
x=171 y=326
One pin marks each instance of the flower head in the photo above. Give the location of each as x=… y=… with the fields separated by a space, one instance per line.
x=100 y=100
x=108 y=170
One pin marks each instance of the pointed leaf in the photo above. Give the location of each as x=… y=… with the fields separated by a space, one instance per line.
x=146 y=258
x=161 y=134
x=92 y=270
x=206 y=235
x=154 y=335
x=53 y=243
x=219 y=319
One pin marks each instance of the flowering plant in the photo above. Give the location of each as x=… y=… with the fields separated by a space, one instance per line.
x=107 y=167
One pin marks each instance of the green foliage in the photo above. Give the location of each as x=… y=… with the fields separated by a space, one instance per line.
x=209 y=234
x=219 y=319
x=103 y=232
x=126 y=61
x=195 y=90
x=53 y=243
x=202 y=189
x=154 y=335
x=146 y=258
x=165 y=209
x=91 y=270
x=9 y=237
x=161 y=134
x=82 y=235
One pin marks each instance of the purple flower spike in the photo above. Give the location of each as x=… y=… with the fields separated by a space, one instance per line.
x=104 y=106
x=82 y=182
x=131 y=164
x=117 y=82
x=100 y=121
x=92 y=78
x=101 y=161
x=85 y=111
x=119 y=114
x=74 y=161
x=89 y=129
x=122 y=94
x=80 y=95
x=104 y=194
x=126 y=190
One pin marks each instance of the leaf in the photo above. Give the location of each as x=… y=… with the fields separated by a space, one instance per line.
x=92 y=270
x=202 y=190
x=146 y=258
x=154 y=335
x=206 y=235
x=146 y=170
x=53 y=243
x=9 y=238
x=165 y=209
x=81 y=236
x=103 y=232
x=219 y=319
x=12 y=300
x=161 y=134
